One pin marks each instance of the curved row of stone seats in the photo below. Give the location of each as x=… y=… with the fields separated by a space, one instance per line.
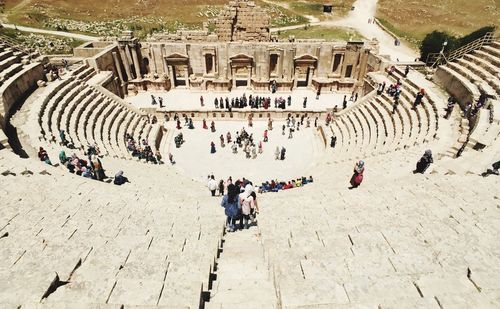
x=370 y=127
x=78 y=106
x=332 y=247
x=127 y=119
x=435 y=101
x=108 y=248
x=474 y=72
x=470 y=162
x=485 y=133
x=64 y=91
x=18 y=78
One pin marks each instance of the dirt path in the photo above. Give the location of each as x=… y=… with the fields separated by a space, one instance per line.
x=358 y=19
x=77 y=36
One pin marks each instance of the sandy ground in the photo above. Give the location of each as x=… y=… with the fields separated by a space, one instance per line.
x=194 y=159
x=182 y=99
x=358 y=19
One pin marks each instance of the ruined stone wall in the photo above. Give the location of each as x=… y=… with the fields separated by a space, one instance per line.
x=225 y=65
x=242 y=20
x=290 y=58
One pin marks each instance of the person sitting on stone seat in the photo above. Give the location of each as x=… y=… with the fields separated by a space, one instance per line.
x=493 y=171
x=424 y=162
x=43 y=156
x=63 y=158
x=120 y=179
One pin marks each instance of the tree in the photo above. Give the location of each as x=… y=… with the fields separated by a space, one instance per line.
x=475 y=35
x=433 y=42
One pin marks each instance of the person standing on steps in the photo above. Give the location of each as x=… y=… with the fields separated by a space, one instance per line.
x=344 y=103
x=212 y=185
x=277 y=153
x=283 y=151
x=407 y=70
x=357 y=176
x=212 y=126
x=395 y=105
x=247 y=204
x=424 y=162
x=333 y=141
x=221 y=187
x=449 y=107
x=201 y=101
x=418 y=98
x=205 y=124
x=232 y=206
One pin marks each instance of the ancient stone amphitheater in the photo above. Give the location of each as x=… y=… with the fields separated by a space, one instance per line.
x=399 y=241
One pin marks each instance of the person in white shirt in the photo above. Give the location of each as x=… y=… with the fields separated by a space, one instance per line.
x=212 y=185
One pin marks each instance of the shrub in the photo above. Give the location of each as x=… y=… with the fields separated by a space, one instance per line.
x=433 y=42
x=475 y=35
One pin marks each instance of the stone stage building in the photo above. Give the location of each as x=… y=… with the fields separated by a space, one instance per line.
x=242 y=54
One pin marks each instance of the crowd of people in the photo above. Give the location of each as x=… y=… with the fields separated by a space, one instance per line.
x=88 y=167
x=252 y=101
x=239 y=203
x=142 y=151
x=275 y=186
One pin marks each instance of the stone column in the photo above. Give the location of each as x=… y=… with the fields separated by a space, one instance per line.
x=118 y=68
x=310 y=76
x=249 y=78
x=164 y=61
x=153 y=60
x=187 y=76
x=295 y=79
x=170 y=72
x=362 y=65
x=127 y=64
x=233 y=77
x=342 y=66
x=136 y=62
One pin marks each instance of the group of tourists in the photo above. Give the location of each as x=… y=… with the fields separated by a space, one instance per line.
x=482 y=102
x=275 y=186
x=154 y=102
x=142 y=151
x=90 y=167
x=240 y=205
x=242 y=140
x=252 y=101
x=188 y=122
x=394 y=91
x=279 y=153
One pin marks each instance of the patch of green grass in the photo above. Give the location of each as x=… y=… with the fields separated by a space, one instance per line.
x=11 y=33
x=65 y=45
x=407 y=37
x=320 y=32
x=307 y=8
